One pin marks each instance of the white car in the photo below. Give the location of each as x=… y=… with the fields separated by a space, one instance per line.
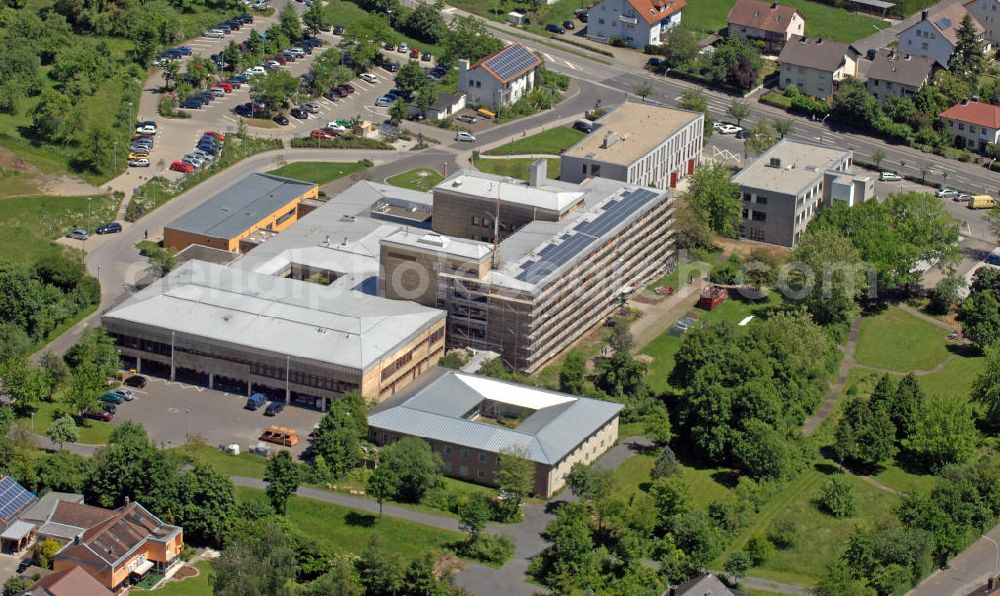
x=368 y=77
x=256 y=71
x=194 y=160
x=336 y=127
x=464 y=136
x=216 y=33
x=139 y=162
x=402 y=48
x=146 y=128
x=297 y=52
x=728 y=129
x=889 y=177
x=945 y=193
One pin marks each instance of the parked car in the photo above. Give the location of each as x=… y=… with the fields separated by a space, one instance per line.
x=585 y=126
x=297 y=52
x=225 y=86
x=426 y=57
x=139 y=154
x=338 y=29
x=147 y=127
x=255 y=402
x=256 y=70
x=281 y=436
x=389 y=46
x=192 y=103
x=368 y=77
x=312 y=108
x=336 y=127
x=467 y=118
x=111 y=398
x=312 y=42
x=744 y=134
x=962 y=198
x=273 y=64
x=403 y=47
x=135 y=381
x=101 y=415
x=77 y=234
x=274 y=408
x=322 y=134
x=286 y=57
x=217 y=91
x=112 y=227
x=141 y=162
x=889 y=177
x=247 y=18
x=390 y=65
x=331 y=95
x=582 y=14
x=226 y=29
x=215 y=33
x=125 y=393
x=568 y=24
x=414 y=54
x=384 y=102
x=299 y=113
x=726 y=128
x=555 y=28
x=465 y=136
x=180 y=166
x=945 y=193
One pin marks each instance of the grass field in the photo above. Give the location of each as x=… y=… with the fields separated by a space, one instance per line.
x=896 y=340
x=954 y=377
x=91 y=432
x=347 y=530
x=709 y=16
x=422 y=179
x=665 y=346
x=318 y=172
x=192 y=586
x=29 y=224
x=515 y=167
x=550 y=142
x=348 y=14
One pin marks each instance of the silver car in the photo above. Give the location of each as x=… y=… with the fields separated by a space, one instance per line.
x=78 y=234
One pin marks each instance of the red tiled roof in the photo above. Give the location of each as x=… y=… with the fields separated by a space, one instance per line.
x=655 y=11
x=69 y=582
x=762 y=15
x=974 y=112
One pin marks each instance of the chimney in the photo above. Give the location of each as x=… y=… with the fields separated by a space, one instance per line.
x=774 y=6
x=127 y=500
x=923 y=15
x=463 y=65
x=775 y=162
x=965 y=101
x=76 y=539
x=537 y=173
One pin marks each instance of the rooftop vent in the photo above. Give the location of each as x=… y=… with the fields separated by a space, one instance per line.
x=347 y=218
x=434 y=240
x=457 y=182
x=609 y=140
x=775 y=162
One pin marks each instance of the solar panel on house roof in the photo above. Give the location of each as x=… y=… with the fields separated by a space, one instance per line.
x=511 y=61
x=583 y=234
x=13 y=498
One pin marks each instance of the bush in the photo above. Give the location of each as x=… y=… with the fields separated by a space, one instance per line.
x=759 y=550
x=726 y=273
x=618 y=42
x=487 y=548
x=344 y=142
x=783 y=533
x=837 y=497
x=45 y=552
x=666 y=465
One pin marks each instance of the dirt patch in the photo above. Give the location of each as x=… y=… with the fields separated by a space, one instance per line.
x=185 y=572
x=68 y=186
x=745 y=247
x=10 y=160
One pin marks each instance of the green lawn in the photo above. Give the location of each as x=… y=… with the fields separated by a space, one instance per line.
x=349 y=14
x=347 y=530
x=28 y=224
x=550 y=142
x=422 y=179
x=896 y=340
x=192 y=586
x=822 y=20
x=895 y=477
x=515 y=167
x=91 y=432
x=955 y=377
x=243 y=464
x=700 y=485
x=317 y=172
x=665 y=346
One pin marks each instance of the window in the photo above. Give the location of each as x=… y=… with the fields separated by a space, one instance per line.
x=972 y=128
x=447 y=466
x=961 y=126
x=584 y=168
x=600 y=21
x=475 y=220
x=759 y=216
x=447 y=449
x=761 y=200
x=746 y=212
x=464 y=454
x=482 y=458
x=481 y=474
x=923 y=46
x=463 y=470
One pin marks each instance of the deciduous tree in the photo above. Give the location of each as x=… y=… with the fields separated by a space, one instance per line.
x=282 y=479
x=63 y=430
x=715 y=198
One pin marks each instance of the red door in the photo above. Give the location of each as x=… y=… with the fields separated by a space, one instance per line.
x=673 y=179
x=691 y=166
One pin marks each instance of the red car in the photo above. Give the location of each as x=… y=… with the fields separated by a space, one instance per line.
x=180 y=166
x=280 y=59
x=414 y=53
x=102 y=415
x=217 y=135
x=320 y=133
x=224 y=86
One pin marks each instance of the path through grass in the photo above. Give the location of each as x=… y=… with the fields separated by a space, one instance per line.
x=897 y=340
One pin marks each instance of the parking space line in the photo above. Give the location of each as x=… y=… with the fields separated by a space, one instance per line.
x=229 y=118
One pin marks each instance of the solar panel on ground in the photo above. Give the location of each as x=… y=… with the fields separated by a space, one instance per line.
x=511 y=62
x=13 y=498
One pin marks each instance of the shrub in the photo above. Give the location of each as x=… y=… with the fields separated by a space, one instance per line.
x=488 y=548
x=618 y=42
x=738 y=564
x=783 y=533
x=666 y=464
x=759 y=550
x=45 y=552
x=837 y=497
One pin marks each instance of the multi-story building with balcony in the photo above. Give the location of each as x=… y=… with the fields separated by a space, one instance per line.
x=636 y=22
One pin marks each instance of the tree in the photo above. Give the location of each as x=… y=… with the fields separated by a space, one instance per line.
x=231 y=56
x=762 y=452
x=338 y=438
x=25 y=384
x=738 y=564
x=132 y=467
x=622 y=376
x=739 y=109
x=473 y=515
x=590 y=483
x=274 y=87
x=97 y=348
x=398 y=111
x=829 y=279
x=289 y=23
x=644 y=89
x=315 y=19
x=470 y=38
x=986 y=388
x=736 y=62
x=46 y=552
x=865 y=434
x=63 y=430
x=783 y=128
x=945 y=432
x=383 y=484
x=411 y=79
x=208 y=499
x=85 y=383
x=573 y=373
x=906 y=406
x=783 y=532
x=380 y=572
x=968 y=61
x=840 y=581
x=515 y=480
x=837 y=497
x=161 y=261
x=680 y=47
x=415 y=465
x=715 y=198
x=260 y=563
x=666 y=464
x=15 y=586
x=762 y=137
x=980 y=318
x=946 y=294
x=52 y=118
x=694 y=100
x=426 y=24
x=341 y=580
x=282 y=479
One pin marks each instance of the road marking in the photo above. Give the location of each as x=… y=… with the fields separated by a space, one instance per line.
x=228 y=118
x=548 y=57
x=571 y=65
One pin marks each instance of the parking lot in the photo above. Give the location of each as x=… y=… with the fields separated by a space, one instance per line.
x=171 y=412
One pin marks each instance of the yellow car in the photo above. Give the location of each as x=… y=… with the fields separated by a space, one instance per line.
x=138 y=155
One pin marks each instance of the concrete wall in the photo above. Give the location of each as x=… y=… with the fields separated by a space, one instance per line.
x=469 y=217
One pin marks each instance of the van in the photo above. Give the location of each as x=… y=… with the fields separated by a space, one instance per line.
x=584 y=126
x=486 y=113
x=256 y=401
x=982 y=202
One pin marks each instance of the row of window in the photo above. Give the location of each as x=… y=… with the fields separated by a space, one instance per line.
x=397 y=364
x=752 y=198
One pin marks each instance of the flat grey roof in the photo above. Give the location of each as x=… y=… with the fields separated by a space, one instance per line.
x=440 y=244
x=275 y=315
x=239 y=207
x=552 y=195
x=436 y=408
x=801 y=163
x=641 y=128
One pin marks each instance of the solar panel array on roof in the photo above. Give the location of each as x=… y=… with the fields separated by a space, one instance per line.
x=13 y=498
x=584 y=234
x=511 y=62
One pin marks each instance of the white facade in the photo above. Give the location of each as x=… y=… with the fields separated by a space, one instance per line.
x=630 y=21
x=482 y=88
x=923 y=39
x=987 y=13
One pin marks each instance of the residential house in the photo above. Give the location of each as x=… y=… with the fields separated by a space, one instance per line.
x=72 y=581
x=935 y=35
x=15 y=535
x=446 y=105
x=816 y=66
x=123 y=548
x=705 y=584
x=972 y=124
x=986 y=12
x=500 y=79
x=784 y=188
x=638 y=22
x=772 y=23
x=892 y=73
